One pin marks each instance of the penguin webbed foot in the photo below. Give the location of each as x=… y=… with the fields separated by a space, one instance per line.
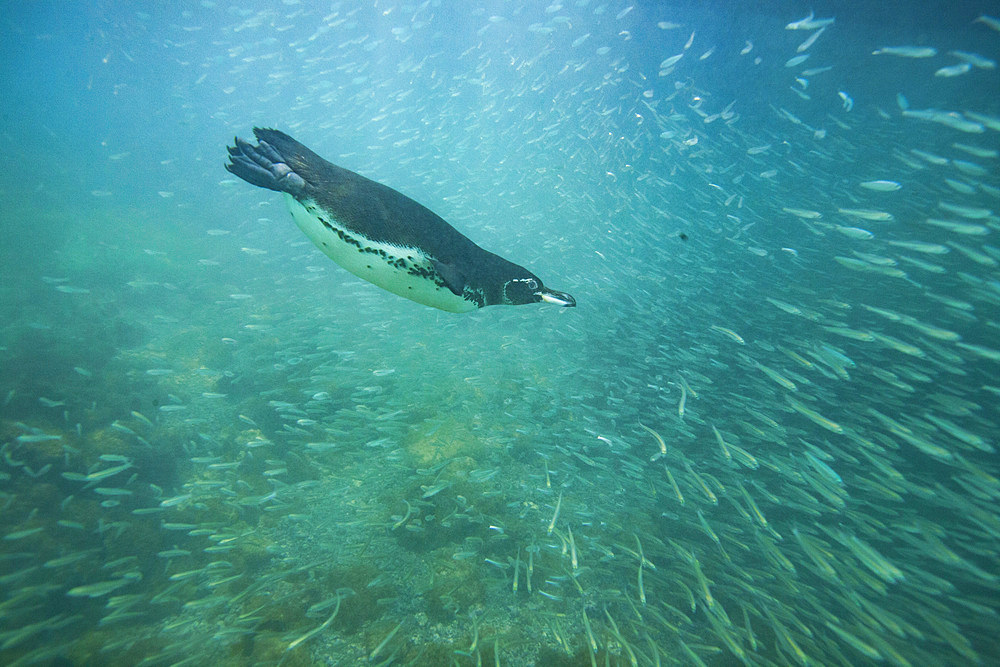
x=264 y=167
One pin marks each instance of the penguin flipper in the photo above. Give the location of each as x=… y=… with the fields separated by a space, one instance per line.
x=452 y=277
x=263 y=166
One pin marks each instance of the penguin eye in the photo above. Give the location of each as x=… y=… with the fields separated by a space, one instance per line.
x=532 y=284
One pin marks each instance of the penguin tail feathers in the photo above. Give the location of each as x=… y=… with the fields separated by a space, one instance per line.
x=266 y=164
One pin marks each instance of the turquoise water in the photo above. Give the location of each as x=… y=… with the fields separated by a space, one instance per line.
x=219 y=447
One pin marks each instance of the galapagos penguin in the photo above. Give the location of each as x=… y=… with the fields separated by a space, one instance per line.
x=381 y=235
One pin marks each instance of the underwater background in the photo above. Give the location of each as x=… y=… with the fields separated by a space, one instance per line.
x=766 y=435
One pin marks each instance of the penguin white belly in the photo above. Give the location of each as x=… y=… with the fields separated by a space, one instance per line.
x=401 y=270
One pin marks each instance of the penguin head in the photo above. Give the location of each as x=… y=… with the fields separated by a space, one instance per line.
x=529 y=289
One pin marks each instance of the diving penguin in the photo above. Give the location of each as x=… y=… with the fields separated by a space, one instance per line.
x=381 y=235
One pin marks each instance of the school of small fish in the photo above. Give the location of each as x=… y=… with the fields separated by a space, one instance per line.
x=771 y=440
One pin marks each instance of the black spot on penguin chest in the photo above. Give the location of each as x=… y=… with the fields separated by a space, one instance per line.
x=401 y=263
x=345 y=237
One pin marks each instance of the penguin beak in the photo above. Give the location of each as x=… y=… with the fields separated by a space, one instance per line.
x=558 y=298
